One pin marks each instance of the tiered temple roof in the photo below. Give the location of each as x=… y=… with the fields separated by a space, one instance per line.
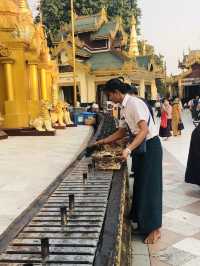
x=102 y=45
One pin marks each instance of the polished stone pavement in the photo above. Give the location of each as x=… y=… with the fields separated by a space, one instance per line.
x=180 y=242
x=29 y=164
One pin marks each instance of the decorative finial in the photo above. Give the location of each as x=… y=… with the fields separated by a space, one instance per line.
x=133 y=21
x=133 y=49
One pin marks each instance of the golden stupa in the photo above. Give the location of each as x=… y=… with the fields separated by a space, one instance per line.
x=27 y=74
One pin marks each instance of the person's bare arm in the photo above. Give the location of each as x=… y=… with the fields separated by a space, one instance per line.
x=119 y=134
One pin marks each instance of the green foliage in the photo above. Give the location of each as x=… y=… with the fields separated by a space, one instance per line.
x=57 y=12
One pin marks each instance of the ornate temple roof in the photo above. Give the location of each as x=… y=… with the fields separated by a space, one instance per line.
x=105 y=61
x=105 y=30
x=82 y=52
x=90 y=23
x=193 y=57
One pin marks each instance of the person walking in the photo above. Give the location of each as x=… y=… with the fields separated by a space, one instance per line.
x=158 y=107
x=192 y=174
x=147 y=196
x=166 y=120
x=176 y=117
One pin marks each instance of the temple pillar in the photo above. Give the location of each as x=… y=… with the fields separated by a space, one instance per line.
x=33 y=102
x=9 y=81
x=170 y=89
x=180 y=89
x=142 y=89
x=154 y=90
x=91 y=89
x=43 y=83
x=83 y=88
x=14 y=105
x=34 y=82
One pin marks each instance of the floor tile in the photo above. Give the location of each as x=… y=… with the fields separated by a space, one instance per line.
x=170 y=237
x=190 y=245
x=157 y=262
x=174 y=200
x=181 y=228
x=186 y=217
x=140 y=249
x=192 y=208
x=167 y=209
x=174 y=256
x=197 y=236
x=194 y=262
x=188 y=190
x=160 y=245
x=171 y=186
x=140 y=260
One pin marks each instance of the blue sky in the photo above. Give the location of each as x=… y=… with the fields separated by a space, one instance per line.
x=172 y=26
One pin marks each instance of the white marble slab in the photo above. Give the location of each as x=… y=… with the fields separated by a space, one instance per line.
x=182 y=228
x=185 y=217
x=191 y=245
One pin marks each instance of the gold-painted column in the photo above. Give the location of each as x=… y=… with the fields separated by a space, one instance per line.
x=142 y=88
x=34 y=82
x=180 y=88
x=9 y=81
x=154 y=90
x=43 y=84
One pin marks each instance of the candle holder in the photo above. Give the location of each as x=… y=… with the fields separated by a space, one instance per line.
x=63 y=214
x=71 y=202
x=44 y=248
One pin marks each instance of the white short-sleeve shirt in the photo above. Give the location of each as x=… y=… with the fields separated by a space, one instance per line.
x=133 y=111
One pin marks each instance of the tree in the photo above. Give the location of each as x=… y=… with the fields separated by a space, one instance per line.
x=57 y=12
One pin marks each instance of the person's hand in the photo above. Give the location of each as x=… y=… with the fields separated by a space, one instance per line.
x=100 y=142
x=126 y=152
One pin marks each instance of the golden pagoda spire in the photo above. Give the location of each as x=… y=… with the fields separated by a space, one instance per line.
x=133 y=49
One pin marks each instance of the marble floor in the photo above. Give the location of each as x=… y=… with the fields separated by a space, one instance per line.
x=180 y=241
x=28 y=165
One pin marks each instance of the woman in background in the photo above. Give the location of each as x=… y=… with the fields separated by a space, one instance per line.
x=176 y=117
x=166 y=120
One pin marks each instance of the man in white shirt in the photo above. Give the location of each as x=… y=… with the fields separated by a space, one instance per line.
x=147 y=199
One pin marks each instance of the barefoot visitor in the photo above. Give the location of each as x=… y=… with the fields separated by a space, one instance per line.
x=146 y=149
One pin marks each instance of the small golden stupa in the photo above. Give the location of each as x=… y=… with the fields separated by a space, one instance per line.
x=27 y=74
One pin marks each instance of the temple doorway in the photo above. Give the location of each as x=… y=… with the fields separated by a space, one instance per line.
x=190 y=92
x=68 y=94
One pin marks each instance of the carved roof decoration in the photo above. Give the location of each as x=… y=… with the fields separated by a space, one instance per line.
x=4 y=51
x=110 y=29
x=90 y=23
x=100 y=45
x=193 y=57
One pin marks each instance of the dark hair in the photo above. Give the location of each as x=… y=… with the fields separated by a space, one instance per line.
x=131 y=89
x=115 y=84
